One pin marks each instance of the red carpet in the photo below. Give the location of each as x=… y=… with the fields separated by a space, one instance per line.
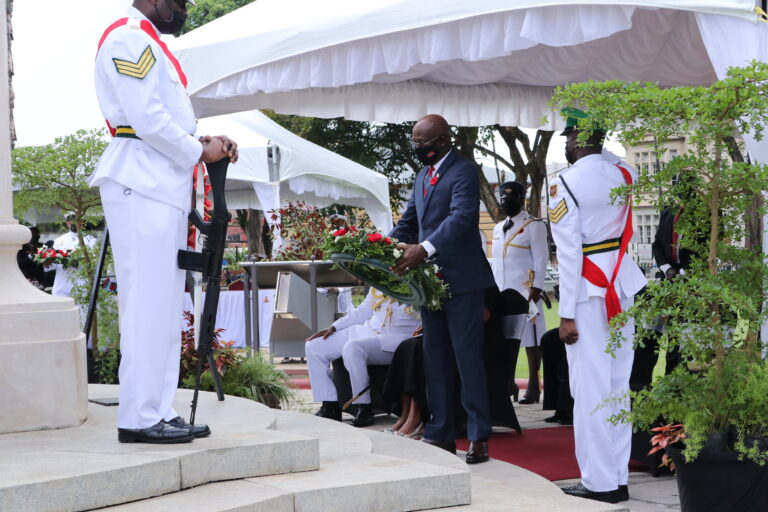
x=548 y=452
x=299 y=383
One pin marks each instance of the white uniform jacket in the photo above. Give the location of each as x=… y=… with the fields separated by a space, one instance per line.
x=580 y=214
x=138 y=87
x=391 y=321
x=521 y=249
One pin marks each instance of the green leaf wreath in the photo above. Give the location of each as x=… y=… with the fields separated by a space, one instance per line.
x=369 y=255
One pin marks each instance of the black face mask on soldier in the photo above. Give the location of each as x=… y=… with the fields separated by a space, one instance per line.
x=174 y=23
x=511 y=205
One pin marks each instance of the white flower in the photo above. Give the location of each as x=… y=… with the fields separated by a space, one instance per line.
x=397 y=253
x=426 y=272
x=436 y=268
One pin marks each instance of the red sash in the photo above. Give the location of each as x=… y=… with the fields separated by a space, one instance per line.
x=147 y=27
x=596 y=276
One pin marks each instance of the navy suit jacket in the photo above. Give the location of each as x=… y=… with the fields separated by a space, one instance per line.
x=449 y=218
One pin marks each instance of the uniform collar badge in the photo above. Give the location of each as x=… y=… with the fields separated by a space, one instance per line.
x=553 y=190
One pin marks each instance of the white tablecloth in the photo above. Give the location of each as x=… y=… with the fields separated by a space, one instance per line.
x=231 y=317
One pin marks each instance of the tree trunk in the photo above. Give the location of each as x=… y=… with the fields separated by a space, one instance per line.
x=466 y=139
x=253 y=230
x=538 y=170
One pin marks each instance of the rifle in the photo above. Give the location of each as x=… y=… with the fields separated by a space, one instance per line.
x=208 y=262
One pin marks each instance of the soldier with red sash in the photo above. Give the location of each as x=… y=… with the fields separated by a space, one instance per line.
x=145 y=181
x=597 y=281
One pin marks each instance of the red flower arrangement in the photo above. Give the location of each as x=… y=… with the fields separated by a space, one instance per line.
x=363 y=244
x=46 y=256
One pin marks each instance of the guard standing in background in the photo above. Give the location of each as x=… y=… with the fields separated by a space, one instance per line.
x=597 y=282
x=520 y=256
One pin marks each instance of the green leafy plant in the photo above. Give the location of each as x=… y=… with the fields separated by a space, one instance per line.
x=364 y=244
x=715 y=311
x=251 y=378
x=302 y=228
x=224 y=353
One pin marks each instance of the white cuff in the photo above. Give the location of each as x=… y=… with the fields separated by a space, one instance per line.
x=665 y=267
x=427 y=245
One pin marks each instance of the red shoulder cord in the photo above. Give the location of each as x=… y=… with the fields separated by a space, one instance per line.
x=596 y=276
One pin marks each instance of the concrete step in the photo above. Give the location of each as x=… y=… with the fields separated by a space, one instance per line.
x=85 y=467
x=496 y=485
x=368 y=482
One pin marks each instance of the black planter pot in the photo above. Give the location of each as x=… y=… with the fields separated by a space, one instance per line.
x=718 y=482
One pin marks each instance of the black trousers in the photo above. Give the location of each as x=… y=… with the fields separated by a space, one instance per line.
x=557 y=390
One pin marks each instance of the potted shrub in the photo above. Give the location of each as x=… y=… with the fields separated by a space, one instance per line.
x=713 y=409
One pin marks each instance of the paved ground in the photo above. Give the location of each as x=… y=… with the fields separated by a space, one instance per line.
x=648 y=494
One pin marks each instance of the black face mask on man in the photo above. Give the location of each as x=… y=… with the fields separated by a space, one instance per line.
x=428 y=155
x=174 y=23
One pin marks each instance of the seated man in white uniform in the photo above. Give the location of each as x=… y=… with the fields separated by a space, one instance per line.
x=367 y=335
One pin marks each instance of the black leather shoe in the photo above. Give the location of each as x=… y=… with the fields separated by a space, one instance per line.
x=580 y=491
x=552 y=419
x=623 y=493
x=365 y=417
x=565 y=420
x=528 y=400
x=197 y=430
x=330 y=410
x=160 y=433
x=477 y=452
x=449 y=446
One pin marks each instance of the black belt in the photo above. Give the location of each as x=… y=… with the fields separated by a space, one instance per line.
x=609 y=245
x=126 y=132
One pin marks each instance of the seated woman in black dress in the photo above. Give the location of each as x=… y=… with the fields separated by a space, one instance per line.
x=405 y=383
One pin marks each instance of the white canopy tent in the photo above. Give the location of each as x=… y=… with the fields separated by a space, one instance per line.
x=476 y=63
x=280 y=166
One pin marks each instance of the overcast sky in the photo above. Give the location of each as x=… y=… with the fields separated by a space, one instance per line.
x=54 y=49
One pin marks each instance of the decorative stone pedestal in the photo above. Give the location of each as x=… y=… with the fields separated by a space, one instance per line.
x=42 y=352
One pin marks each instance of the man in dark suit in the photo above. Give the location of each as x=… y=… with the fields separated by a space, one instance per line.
x=441 y=221
x=672 y=258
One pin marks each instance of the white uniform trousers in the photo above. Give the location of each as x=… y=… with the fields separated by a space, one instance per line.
x=359 y=347
x=602 y=449
x=528 y=339
x=145 y=237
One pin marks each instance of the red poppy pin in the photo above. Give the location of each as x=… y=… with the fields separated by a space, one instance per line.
x=433 y=180
x=553 y=190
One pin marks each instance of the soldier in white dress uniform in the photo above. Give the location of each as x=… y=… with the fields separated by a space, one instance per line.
x=145 y=181
x=597 y=281
x=519 y=263
x=62 y=282
x=367 y=335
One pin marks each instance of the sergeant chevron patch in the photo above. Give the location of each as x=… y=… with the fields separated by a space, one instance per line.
x=138 y=69
x=558 y=212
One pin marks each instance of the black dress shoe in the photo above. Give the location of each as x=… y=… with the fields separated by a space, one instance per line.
x=528 y=400
x=477 y=452
x=449 y=446
x=330 y=410
x=160 y=433
x=198 y=429
x=365 y=417
x=623 y=493
x=552 y=419
x=565 y=420
x=580 y=491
